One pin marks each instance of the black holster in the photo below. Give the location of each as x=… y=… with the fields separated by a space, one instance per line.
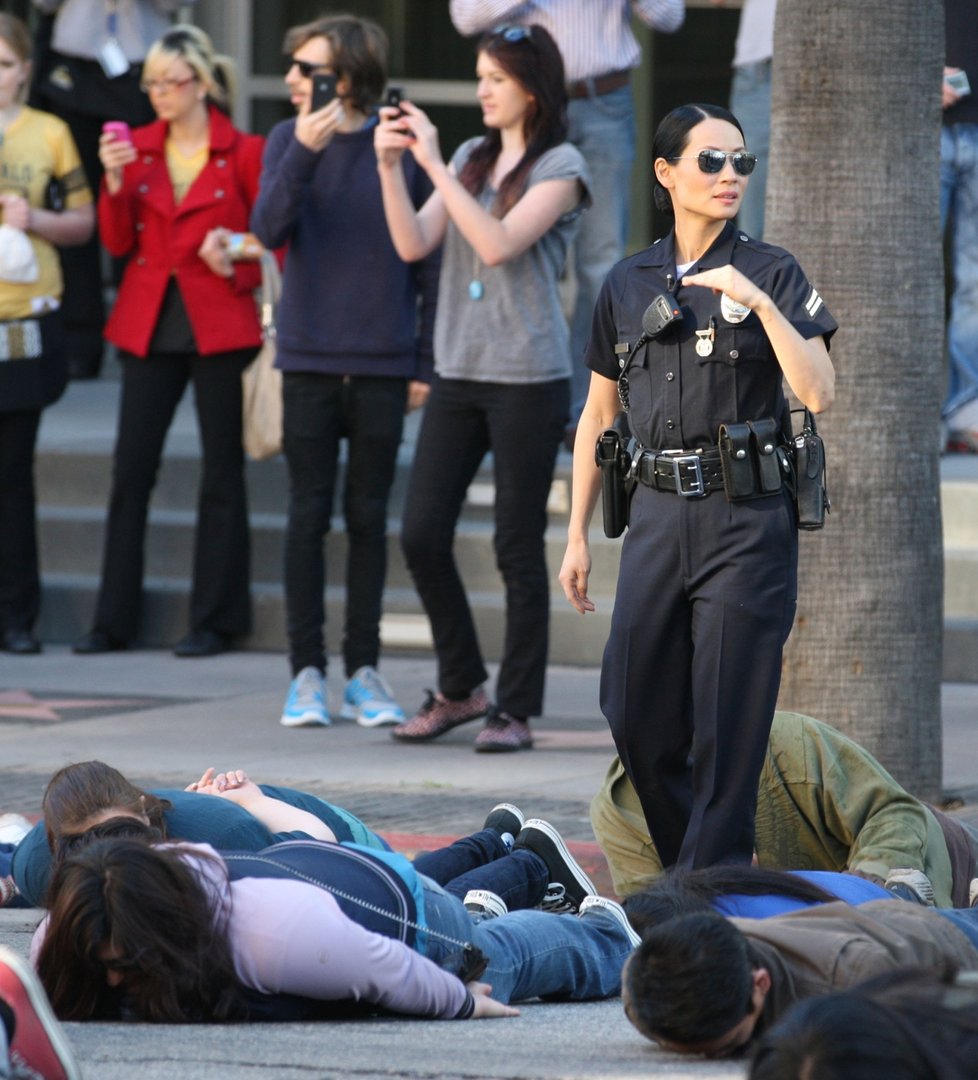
x=612 y=454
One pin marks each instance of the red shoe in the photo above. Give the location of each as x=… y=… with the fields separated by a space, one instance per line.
x=438 y=715
x=38 y=1047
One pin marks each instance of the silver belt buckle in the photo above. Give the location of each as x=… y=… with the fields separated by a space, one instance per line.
x=687 y=471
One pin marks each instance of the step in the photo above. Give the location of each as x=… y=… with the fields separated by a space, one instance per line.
x=70 y=599
x=74 y=475
x=959 y=513
x=71 y=541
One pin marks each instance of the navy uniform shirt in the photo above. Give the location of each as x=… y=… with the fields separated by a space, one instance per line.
x=679 y=399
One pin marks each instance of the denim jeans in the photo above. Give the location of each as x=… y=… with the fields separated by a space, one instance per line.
x=603 y=129
x=482 y=861
x=522 y=425
x=319 y=411
x=965 y=919
x=959 y=198
x=750 y=102
x=534 y=953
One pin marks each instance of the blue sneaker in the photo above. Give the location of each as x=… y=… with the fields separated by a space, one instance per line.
x=306 y=704
x=369 y=700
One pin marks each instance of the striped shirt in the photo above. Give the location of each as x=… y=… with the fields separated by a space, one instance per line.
x=594 y=36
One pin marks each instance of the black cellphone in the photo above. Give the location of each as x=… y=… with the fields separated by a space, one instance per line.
x=323 y=90
x=394 y=96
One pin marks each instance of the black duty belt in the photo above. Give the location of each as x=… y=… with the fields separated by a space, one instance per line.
x=690 y=473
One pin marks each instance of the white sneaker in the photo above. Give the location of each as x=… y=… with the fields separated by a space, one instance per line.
x=483 y=904
x=369 y=700
x=916 y=881
x=306 y=704
x=616 y=911
x=13 y=828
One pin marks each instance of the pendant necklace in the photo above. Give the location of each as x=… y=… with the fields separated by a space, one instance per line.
x=476 y=289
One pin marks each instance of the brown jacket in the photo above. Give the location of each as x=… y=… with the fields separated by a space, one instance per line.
x=835 y=946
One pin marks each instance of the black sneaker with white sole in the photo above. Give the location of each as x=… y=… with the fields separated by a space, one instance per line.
x=542 y=839
x=507 y=820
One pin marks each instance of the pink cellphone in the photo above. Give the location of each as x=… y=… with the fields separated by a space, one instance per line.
x=119 y=129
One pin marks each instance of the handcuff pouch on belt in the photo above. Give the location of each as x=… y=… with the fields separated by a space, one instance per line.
x=613 y=456
x=753 y=461
x=808 y=451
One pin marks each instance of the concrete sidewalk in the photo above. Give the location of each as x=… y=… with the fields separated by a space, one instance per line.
x=162 y=720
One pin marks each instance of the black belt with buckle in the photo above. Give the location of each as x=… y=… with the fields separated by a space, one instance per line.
x=599 y=84
x=690 y=473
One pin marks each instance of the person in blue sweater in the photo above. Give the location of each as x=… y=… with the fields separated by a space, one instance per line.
x=354 y=353
x=749 y=892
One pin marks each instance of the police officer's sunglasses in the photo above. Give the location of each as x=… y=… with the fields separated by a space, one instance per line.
x=712 y=161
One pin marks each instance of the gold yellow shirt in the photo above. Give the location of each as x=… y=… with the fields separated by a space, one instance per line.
x=183 y=170
x=36 y=147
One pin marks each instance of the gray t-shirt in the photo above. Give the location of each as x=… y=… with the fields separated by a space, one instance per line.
x=516 y=332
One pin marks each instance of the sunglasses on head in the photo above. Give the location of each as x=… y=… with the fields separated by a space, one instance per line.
x=307 y=70
x=712 y=161
x=512 y=33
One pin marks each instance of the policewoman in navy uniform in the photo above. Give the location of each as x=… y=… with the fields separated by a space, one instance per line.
x=707 y=585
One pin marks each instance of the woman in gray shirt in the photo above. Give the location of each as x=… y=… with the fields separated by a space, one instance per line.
x=506 y=208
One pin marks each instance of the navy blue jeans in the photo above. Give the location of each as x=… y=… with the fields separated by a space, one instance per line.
x=482 y=861
x=319 y=411
x=965 y=919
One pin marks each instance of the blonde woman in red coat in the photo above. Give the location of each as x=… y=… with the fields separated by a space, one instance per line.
x=173 y=192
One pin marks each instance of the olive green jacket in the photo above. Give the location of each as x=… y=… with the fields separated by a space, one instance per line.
x=823 y=803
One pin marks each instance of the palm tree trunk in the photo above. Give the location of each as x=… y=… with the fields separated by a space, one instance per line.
x=854 y=194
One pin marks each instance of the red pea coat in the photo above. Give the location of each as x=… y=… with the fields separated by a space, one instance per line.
x=162 y=238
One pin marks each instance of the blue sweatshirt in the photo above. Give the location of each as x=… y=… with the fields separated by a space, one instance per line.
x=848 y=887
x=350 y=305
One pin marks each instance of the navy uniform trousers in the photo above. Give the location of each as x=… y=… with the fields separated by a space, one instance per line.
x=706 y=599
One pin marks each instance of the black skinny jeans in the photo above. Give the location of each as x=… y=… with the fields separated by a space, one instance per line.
x=20 y=586
x=151 y=390
x=522 y=424
x=319 y=411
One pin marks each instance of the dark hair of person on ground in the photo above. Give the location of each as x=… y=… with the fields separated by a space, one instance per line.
x=358 y=52
x=682 y=892
x=133 y=933
x=692 y=987
x=672 y=137
x=123 y=827
x=88 y=792
x=907 y=1025
x=530 y=56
